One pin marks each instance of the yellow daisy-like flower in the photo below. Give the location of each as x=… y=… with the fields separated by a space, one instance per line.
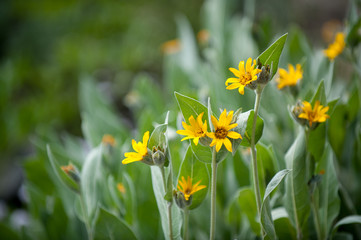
x=244 y=76
x=317 y=114
x=221 y=131
x=187 y=188
x=140 y=149
x=291 y=77
x=195 y=130
x=335 y=48
x=108 y=139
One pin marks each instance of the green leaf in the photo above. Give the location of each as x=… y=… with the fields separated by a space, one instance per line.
x=245 y=122
x=108 y=226
x=62 y=176
x=320 y=95
x=162 y=204
x=90 y=177
x=158 y=138
x=329 y=201
x=241 y=169
x=202 y=153
x=337 y=129
x=8 y=233
x=354 y=36
x=272 y=54
x=348 y=220
x=353 y=104
x=266 y=217
x=247 y=202
x=296 y=199
x=198 y=172
x=283 y=226
x=190 y=107
x=316 y=141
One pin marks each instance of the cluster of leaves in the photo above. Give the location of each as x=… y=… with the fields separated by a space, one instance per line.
x=61 y=207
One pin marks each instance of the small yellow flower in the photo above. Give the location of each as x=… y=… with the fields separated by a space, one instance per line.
x=187 y=188
x=195 y=130
x=244 y=76
x=108 y=139
x=68 y=168
x=203 y=36
x=171 y=46
x=221 y=131
x=335 y=48
x=121 y=188
x=140 y=149
x=291 y=77
x=317 y=114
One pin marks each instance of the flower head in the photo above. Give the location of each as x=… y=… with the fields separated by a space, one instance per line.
x=140 y=149
x=317 y=114
x=335 y=48
x=291 y=77
x=171 y=46
x=221 y=131
x=187 y=188
x=244 y=76
x=121 y=188
x=195 y=130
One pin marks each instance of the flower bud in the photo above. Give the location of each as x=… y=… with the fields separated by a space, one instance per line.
x=296 y=111
x=72 y=172
x=158 y=158
x=147 y=159
x=180 y=200
x=265 y=76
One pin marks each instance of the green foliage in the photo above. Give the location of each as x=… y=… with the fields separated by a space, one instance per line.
x=272 y=54
x=245 y=122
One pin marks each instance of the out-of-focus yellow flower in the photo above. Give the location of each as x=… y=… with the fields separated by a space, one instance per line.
x=203 y=36
x=195 y=130
x=317 y=114
x=140 y=149
x=121 y=188
x=187 y=188
x=108 y=139
x=291 y=77
x=244 y=76
x=335 y=48
x=221 y=131
x=68 y=168
x=171 y=46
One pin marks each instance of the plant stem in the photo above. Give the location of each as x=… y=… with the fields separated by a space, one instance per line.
x=169 y=205
x=213 y=195
x=186 y=223
x=316 y=218
x=254 y=155
x=85 y=214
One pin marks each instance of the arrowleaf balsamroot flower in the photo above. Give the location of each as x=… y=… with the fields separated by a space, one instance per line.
x=140 y=149
x=335 y=48
x=291 y=77
x=317 y=114
x=244 y=76
x=187 y=188
x=195 y=130
x=221 y=131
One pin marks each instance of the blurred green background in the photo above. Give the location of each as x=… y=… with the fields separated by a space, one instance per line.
x=46 y=46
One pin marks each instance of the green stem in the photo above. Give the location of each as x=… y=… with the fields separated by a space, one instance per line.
x=213 y=195
x=85 y=214
x=254 y=155
x=169 y=205
x=186 y=223
x=316 y=218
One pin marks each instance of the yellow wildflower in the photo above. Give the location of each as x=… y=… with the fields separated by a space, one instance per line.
x=203 y=36
x=317 y=114
x=140 y=149
x=121 y=188
x=244 y=76
x=335 y=48
x=291 y=77
x=221 y=131
x=187 y=188
x=68 y=168
x=171 y=46
x=195 y=130
x=108 y=139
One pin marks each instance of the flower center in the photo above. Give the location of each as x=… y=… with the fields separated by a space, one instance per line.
x=245 y=78
x=221 y=133
x=200 y=132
